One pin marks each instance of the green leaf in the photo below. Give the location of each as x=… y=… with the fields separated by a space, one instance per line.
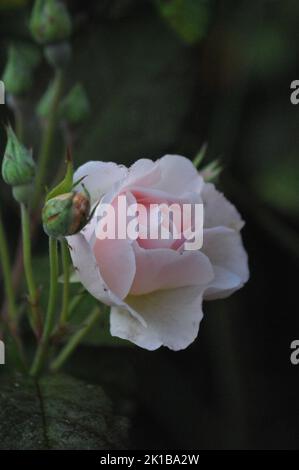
x=58 y=413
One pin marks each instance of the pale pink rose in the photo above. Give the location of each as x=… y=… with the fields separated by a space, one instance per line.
x=155 y=288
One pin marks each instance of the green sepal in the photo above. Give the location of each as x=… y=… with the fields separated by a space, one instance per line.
x=199 y=157
x=66 y=185
x=211 y=171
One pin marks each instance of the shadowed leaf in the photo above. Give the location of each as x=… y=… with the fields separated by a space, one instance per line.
x=58 y=413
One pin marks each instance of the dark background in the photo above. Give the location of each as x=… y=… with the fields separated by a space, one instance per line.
x=165 y=77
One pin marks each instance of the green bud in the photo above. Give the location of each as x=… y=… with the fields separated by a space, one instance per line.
x=50 y=21
x=18 y=167
x=66 y=214
x=17 y=74
x=44 y=105
x=75 y=106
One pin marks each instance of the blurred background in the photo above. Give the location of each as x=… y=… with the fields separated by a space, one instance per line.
x=166 y=76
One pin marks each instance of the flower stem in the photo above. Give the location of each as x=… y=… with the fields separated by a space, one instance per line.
x=74 y=340
x=35 y=319
x=19 y=122
x=51 y=310
x=17 y=106
x=48 y=137
x=10 y=295
x=7 y=276
x=66 y=282
x=75 y=302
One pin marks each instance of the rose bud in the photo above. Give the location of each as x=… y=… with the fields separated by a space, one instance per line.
x=66 y=214
x=17 y=74
x=75 y=106
x=18 y=168
x=50 y=22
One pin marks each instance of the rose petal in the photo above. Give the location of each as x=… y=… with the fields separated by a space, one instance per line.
x=223 y=284
x=224 y=248
x=218 y=210
x=172 y=318
x=160 y=268
x=99 y=177
x=116 y=260
x=143 y=173
x=178 y=175
x=87 y=268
